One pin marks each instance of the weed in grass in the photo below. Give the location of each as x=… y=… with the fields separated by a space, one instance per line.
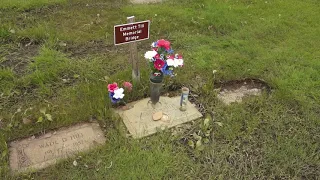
x=48 y=67
x=7 y=78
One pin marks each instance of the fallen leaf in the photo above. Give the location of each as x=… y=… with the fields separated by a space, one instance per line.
x=49 y=117
x=40 y=119
x=106 y=78
x=219 y=124
x=198 y=143
x=206 y=122
x=43 y=110
x=62 y=44
x=191 y=143
x=196 y=136
x=4 y=153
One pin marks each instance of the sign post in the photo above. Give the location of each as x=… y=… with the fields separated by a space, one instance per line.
x=130 y=33
x=133 y=56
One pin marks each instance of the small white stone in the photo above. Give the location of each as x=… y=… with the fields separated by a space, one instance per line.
x=165 y=118
x=75 y=163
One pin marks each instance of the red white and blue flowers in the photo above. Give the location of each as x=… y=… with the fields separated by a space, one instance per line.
x=115 y=93
x=162 y=59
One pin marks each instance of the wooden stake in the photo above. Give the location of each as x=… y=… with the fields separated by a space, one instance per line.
x=133 y=57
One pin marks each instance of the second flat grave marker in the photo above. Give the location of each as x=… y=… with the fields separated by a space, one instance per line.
x=40 y=152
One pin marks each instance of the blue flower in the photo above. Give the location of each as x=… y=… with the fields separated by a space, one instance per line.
x=170 y=51
x=166 y=71
x=113 y=100
x=154 y=44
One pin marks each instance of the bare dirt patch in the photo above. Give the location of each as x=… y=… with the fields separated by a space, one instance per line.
x=236 y=90
x=90 y=48
x=17 y=58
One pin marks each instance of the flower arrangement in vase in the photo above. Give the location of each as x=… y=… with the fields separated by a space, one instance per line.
x=162 y=60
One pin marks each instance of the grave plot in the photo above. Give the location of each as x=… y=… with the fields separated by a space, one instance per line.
x=236 y=90
x=141 y=119
x=39 y=152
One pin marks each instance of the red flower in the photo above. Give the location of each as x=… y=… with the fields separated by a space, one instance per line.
x=157 y=56
x=158 y=64
x=112 y=87
x=127 y=85
x=170 y=57
x=163 y=43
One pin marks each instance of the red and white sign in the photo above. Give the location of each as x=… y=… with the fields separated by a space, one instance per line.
x=127 y=33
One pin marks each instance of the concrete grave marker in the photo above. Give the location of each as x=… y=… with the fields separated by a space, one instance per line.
x=39 y=152
x=139 y=122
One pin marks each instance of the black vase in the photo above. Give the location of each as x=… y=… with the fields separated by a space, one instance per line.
x=155 y=87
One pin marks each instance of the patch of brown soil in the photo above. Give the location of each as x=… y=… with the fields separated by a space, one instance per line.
x=236 y=90
x=90 y=48
x=19 y=57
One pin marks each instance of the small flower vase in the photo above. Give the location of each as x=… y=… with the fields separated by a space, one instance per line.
x=184 y=98
x=155 y=87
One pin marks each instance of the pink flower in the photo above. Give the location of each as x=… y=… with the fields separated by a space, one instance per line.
x=158 y=64
x=127 y=85
x=163 y=43
x=112 y=87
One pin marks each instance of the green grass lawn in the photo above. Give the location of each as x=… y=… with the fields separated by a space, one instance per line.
x=59 y=54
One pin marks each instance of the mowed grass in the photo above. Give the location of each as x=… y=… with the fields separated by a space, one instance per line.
x=61 y=57
x=25 y=4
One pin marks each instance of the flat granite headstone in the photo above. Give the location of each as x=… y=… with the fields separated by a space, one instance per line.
x=40 y=152
x=139 y=122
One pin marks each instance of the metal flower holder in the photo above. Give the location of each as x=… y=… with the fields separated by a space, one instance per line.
x=155 y=88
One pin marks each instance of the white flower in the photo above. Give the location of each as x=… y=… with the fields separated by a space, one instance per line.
x=178 y=62
x=150 y=54
x=170 y=62
x=175 y=62
x=118 y=93
x=153 y=45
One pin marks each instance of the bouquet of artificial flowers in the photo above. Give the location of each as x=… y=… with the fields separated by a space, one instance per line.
x=162 y=59
x=115 y=93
